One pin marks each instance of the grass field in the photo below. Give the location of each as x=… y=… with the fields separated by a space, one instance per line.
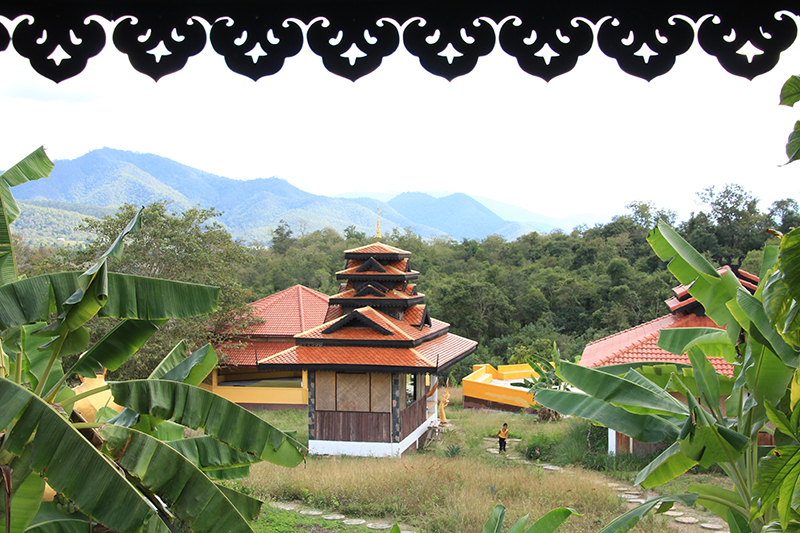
x=452 y=486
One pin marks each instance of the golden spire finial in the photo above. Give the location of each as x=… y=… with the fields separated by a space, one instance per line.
x=378 y=227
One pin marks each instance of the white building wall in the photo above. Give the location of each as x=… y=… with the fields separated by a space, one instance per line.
x=370 y=449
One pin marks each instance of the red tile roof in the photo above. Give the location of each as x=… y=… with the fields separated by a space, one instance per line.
x=682 y=299
x=247 y=353
x=640 y=344
x=377 y=248
x=289 y=312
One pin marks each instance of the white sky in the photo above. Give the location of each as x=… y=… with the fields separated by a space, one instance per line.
x=589 y=141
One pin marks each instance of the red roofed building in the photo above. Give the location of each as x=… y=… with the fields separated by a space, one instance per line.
x=640 y=344
x=372 y=365
x=279 y=318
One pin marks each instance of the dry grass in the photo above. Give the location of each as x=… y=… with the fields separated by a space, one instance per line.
x=440 y=495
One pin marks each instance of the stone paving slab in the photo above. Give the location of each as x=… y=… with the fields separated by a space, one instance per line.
x=334 y=516
x=354 y=522
x=712 y=525
x=687 y=520
x=379 y=525
x=284 y=506
x=673 y=513
x=311 y=512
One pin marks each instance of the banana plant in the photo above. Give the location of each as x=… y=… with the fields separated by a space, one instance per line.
x=721 y=418
x=134 y=473
x=546 y=524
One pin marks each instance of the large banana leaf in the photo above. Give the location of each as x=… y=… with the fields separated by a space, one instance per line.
x=636 y=397
x=116 y=347
x=92 y=292
x=762 y=329
x=35 y=166
x=789 y=261
x=694 y=271
x=661 y=504
x=670 y=464
x=51 y=520
x=779 y=474
x=191 y=496
x=713 y=341
x=224 y=420
x=644 y=428
x=67 y=460
x=176 y=366
x=134 y=297
x=26 y=493
x=210 y=454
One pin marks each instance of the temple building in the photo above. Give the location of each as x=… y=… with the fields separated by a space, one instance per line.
x=372 y=365
x=365 y=360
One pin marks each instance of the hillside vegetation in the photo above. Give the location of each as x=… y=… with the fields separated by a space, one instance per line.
x=515 y=298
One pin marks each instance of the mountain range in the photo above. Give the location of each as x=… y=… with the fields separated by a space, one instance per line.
x=97 y=182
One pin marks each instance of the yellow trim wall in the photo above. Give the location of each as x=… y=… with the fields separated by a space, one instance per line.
x=479 y=384
x=259 y=395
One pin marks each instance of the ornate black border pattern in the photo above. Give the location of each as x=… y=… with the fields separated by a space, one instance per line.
x=352 y=37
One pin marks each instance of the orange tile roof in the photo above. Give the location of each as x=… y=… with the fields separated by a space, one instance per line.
x=431 y=355
x=390 y=295
x=247 y=353
x=289 y=312
x=402 y=330
x=640 y=344
x=390 y=270
x=377 y=248
x=334 y=312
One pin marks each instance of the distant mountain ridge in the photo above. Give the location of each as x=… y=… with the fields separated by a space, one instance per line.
x=107 y=178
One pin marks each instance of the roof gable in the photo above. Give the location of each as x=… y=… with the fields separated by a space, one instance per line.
x=357 y=318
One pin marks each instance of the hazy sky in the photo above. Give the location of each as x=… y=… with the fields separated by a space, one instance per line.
x=591 y=140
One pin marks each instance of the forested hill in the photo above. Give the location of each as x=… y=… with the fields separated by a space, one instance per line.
x=253 y=208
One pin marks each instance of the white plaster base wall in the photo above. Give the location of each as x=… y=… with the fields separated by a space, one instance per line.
x=369 y=449
x=612 y=442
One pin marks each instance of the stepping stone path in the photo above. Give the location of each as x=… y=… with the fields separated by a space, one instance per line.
x=379 y=525
x=311 y=512
x=711 y=525
x=636 y=500
x=284 y=506
x=334 y=517
x=551 y=468
x=354 y=522
x=673 y=513
x=687 y=520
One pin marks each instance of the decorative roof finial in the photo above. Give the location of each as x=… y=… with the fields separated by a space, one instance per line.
x=378 y=227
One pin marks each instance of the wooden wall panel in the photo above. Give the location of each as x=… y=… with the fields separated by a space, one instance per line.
x=380 y=393
x=353 y=427
x=412 y=417
x=325 y=390
x=352 y=392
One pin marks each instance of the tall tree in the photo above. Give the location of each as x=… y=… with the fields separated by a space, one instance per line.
x=730 y=227
x=189 y=245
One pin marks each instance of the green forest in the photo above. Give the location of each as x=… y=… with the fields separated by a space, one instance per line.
x=516 y=298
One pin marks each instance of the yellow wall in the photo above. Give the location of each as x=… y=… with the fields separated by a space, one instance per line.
x=259 y=395
x=262 y=395
x=479 y=384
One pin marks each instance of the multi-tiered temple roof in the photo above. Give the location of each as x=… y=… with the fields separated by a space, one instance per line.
x=377 y=322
